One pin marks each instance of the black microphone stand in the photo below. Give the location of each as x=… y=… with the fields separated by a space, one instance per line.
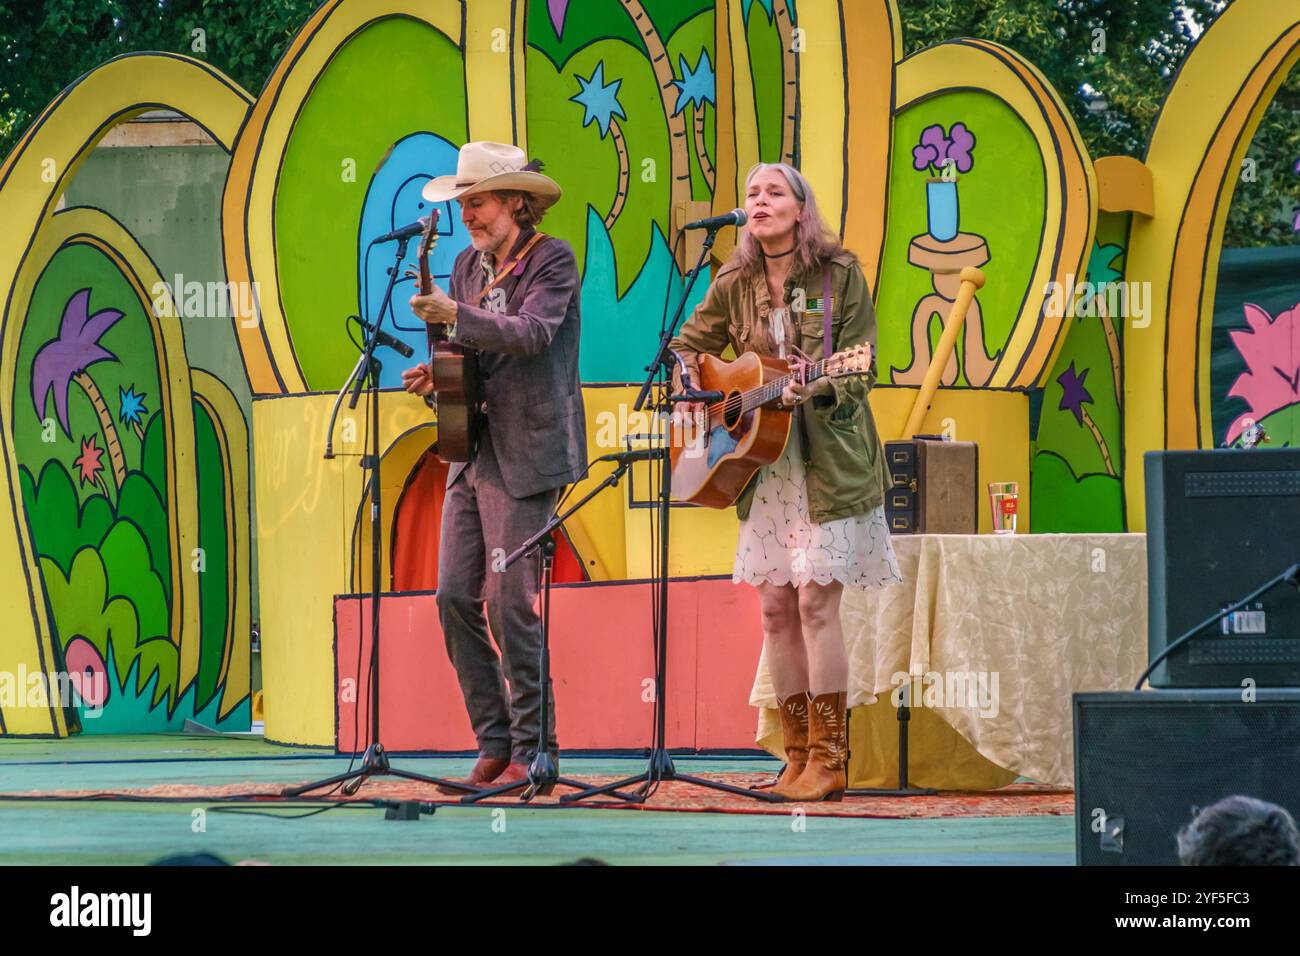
x=543 y=774
x=375 y=760
x=659 y=766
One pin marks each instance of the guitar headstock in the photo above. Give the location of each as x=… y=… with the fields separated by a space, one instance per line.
x=857 y=360
x=428 y=239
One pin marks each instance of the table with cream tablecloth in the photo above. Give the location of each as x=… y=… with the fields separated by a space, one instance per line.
x=997 y=632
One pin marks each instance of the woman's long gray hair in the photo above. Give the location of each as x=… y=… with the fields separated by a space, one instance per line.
x=815 y=242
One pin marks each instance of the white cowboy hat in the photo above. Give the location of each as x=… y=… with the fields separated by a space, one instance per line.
x=482 y=167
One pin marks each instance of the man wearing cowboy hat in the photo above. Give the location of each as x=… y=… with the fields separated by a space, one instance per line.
x=532 y=443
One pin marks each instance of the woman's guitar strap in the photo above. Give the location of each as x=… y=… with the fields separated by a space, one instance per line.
x=826 y=313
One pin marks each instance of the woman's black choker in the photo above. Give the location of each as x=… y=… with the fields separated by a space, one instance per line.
x=775 y=255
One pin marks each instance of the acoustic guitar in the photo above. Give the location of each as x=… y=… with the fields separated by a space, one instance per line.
x=713 y=456
x=457 y=387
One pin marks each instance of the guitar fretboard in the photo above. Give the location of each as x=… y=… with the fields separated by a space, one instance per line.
x=758 y=397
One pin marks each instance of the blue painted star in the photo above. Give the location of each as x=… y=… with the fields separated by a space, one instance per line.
x=697 y=86
x=598 y=100
x=132 y=405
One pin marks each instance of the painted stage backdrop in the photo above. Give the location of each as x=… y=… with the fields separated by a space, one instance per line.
x=127 y=391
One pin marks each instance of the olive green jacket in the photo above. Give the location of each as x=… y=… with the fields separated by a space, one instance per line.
x=843 y=456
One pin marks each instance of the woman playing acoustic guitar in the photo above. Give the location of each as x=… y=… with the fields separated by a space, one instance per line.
x=812 y=522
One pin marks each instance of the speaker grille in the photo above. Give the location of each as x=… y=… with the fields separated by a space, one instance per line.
x=1223 y=484
x=1149 y=758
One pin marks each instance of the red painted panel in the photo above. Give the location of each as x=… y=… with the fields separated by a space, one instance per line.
x=727 y=656
x=602 y=661
x=417 y=522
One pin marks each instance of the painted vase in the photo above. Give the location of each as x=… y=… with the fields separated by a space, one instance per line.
x=941 y=208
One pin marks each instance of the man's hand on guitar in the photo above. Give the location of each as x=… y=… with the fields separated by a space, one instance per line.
x=436 y=308
x=418 y=380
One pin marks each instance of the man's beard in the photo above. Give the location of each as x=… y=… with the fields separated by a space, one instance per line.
x=489 y=240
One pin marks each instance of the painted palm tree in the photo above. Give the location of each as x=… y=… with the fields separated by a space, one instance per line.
x=698 y=87
x=64 y=360
x=601 y=106
x=1073 y=397
x=679 y=185
x=679 y=159
x=1101 y=273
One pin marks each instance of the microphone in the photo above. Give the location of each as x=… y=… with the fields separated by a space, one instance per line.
x=383 y=338
x=405 y=232
x=633 y=454
x=736 y=217
x=691 y=395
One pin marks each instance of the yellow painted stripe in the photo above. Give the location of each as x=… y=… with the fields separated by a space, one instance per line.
x=494 y=58
x=822 y=118
x=875 y=43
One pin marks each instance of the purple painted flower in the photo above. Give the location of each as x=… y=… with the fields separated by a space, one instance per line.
x=923 y=157
x=1073 y=394
x=963 y=142
x=933 y=137
x=937 y=149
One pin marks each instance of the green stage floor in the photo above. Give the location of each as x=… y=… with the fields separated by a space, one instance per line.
x=83 y=833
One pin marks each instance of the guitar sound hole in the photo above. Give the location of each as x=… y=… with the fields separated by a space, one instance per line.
x=731 y=410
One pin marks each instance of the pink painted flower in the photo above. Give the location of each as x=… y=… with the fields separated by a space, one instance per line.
x=1271 y=348
x=90 y=463
x=86 y=672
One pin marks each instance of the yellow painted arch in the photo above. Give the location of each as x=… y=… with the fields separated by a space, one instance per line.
x=1071 y=215
x=34 y=174
x=37 y=171
x=1205 y=126
x=396 y=462
x=248 y=203
x=21 y=588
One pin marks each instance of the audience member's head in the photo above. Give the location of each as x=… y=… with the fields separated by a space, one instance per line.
x=1240 y=831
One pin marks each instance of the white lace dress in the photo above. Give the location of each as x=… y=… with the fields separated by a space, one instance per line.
x=780 y=544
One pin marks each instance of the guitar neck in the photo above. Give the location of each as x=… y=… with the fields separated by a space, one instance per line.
x=770 y=392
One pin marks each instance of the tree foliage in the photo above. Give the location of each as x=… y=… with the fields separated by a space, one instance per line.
x=45 y=46
x=1111 y=60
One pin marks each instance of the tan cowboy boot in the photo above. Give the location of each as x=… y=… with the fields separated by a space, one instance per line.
x=794 y=733
x=826 y=775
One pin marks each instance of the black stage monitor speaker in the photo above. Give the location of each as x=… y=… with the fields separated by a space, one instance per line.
x=1219 y=524
x=1144 y=759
